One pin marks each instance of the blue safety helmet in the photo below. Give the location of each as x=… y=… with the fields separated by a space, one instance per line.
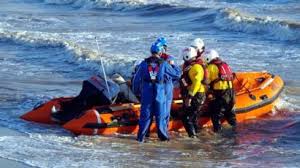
x=162 y=41
x=156 y=48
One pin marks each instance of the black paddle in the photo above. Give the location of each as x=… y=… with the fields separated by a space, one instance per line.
x=253 y=97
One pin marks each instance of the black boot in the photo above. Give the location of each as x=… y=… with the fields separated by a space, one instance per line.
x=192 y=132
x=217 y=128
x=232 y=122
x=189 y=127
x=148 y=134
x=216 y=124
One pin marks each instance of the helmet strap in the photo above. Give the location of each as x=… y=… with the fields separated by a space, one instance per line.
x=165 y=47
x=191 y=60
x=200 y=52
x=156 y=55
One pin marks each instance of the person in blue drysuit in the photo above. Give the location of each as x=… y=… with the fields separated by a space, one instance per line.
x=169 y=80
x=150 y=83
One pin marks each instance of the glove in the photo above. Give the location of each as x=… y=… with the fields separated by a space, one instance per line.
x=171 y=62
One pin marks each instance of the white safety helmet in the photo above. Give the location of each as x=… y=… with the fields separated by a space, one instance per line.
x=211 y=55
x=189 y=53
x=198 y=44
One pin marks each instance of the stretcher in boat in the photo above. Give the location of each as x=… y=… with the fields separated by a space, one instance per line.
x=256 y=95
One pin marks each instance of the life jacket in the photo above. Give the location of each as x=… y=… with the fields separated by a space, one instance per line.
x=153 y=68
x=185 y=80
x=164 y=56
x=225 y=72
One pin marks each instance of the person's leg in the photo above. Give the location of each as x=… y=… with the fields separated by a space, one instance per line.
x=190 y=119
x=144 y=121
x=169 y=100
x=229 y=113
x=188 y=122
x=160 y=117
x=147 y=109
x=197 y=104
x=149 y=128
x=230 y=117
x=216 y=111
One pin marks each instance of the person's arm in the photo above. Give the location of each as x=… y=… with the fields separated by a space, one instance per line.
x=137 y=80
x=173 y=71
x=196 y=75
x=213 y=72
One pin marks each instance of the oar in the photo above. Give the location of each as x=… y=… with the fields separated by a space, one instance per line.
x=103 y=70
x=253 y=97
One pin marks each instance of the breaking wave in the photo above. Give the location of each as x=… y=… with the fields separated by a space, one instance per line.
x=111 y=4
x=231 y=19
x=91 y=57
x=213 y=14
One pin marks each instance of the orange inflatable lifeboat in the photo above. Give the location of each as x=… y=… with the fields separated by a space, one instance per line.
x=256 y=95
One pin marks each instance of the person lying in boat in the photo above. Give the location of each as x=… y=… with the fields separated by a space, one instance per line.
x=221 y=87
x=95 y=92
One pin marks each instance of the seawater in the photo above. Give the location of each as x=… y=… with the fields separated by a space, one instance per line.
x=47 y=47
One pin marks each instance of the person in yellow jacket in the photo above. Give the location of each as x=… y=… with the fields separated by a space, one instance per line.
x=220 y=82
x=193 y=89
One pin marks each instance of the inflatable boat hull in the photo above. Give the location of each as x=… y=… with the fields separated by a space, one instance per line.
x=256 y=95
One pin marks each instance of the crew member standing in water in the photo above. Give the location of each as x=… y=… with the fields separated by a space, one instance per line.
x=150 y=82
x=192 y=89
x=169 y=80
x=220 y=77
